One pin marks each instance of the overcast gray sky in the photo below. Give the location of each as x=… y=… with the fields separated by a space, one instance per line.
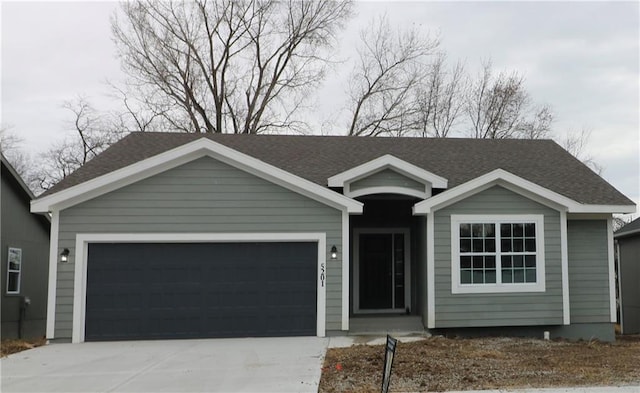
x=582 y=58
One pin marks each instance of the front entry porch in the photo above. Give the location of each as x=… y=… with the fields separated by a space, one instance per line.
x=385 y=324
x=387 y=283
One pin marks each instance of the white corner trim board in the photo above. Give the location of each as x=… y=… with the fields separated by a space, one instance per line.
x=84 y=239
x=387 y=162
x=346 y=262
x=181 y=155
x=53 y=275
x=431 y=280
x=564 y=257
x=612 y=273
x=517 y=184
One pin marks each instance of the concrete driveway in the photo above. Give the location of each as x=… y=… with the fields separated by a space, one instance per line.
x=291 y=364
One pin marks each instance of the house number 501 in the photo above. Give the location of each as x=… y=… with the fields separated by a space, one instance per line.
x=322 y=274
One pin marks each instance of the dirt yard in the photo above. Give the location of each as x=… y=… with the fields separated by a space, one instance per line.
x=441 y=364
x=7 y=347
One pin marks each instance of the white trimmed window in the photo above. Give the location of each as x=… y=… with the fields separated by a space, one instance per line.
x=14 y=270
x=497 y=253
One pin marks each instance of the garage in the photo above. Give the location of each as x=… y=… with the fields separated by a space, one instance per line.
x=200 y=290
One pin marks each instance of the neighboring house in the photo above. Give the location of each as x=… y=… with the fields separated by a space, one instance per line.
x=628 y=249
x=24 y=239
x=171 y=235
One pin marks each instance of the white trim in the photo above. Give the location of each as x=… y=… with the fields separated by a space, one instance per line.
x=53 y=275
x=620 y=289
x=387 y=190
x=387 y=162
x=498 y=287
x=516 y=184
x=612 y=273
x=431 y=279
x=564 y=258
x=346 y=263
x=407 y=269
x=587 y=216
x=181 y=155
x=18 y=251
x=83 y=240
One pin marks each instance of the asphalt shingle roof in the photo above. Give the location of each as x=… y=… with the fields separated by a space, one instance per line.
x=632 y=227
x=316 y=158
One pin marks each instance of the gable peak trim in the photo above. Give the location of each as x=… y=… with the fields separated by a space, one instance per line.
x=381 y=163
x=181 y=155
x=516 y=184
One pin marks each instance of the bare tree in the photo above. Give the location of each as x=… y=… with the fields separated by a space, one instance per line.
x=440 y=99
x=93 y=132
x=382 y=92
x=227 y=66
x=23 y=162
x=575 y=142
x=495 y=104
x=620 y=221
x=538 y=126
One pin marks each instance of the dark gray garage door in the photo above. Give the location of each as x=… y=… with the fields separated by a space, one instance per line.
x=148 y=291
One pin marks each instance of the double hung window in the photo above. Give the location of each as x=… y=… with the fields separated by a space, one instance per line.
x=497 y=253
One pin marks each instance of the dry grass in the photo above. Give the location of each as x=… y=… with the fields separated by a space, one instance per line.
x=9 y=346
x=440 y=364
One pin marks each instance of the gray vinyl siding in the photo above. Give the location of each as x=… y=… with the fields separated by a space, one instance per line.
x=629 y=256
x=28 y=232
x=588 y=271
x=387 y=178
x=204 y=196
x=497 y=309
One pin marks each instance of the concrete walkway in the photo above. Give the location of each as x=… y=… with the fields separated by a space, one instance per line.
x=291 y=364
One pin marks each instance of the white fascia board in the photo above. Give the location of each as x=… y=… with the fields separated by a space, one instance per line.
x=607 y=209
x=517 y=184
x=181 y=155
x=387 y=162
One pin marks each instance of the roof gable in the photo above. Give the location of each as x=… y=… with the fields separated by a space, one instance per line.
x=180 y=155
x=387 y=161
x=318 y=158
x=518 y=185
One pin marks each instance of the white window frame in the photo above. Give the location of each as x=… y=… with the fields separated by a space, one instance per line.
x=498 y=287
x=18 y=253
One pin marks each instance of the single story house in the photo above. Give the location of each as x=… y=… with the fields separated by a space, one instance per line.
x=627 y=240
x=172 y=235
x=24 y=249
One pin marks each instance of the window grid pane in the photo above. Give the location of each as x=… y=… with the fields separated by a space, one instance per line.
x=518 y=247
x=516 y=256
x=476 y=240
